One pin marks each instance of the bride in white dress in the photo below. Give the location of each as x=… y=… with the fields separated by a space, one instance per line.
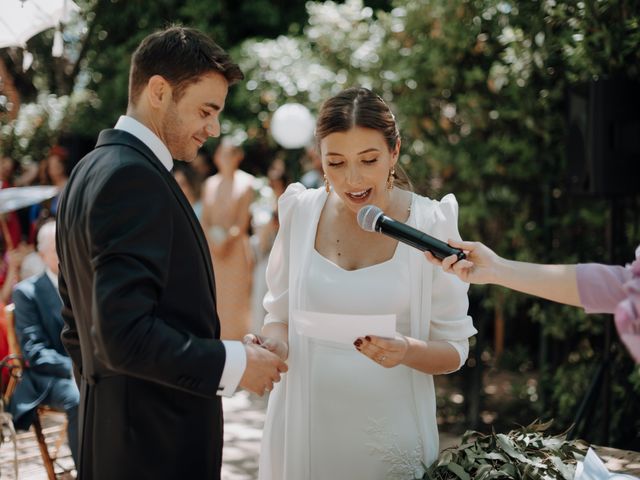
x=367 y=410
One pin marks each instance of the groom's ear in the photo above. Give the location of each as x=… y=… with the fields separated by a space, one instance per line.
x=158 y=92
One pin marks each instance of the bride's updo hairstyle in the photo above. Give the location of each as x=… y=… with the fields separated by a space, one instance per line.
x=360 y=107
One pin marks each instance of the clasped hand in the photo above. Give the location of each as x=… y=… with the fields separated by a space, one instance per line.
x=388 y=352
x=265 y=364
x=280 y=348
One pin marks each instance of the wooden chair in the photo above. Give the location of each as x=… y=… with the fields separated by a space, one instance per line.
x=13 y=366
x=48 y=457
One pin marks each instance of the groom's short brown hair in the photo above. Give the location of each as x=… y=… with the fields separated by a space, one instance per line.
x=181 y=56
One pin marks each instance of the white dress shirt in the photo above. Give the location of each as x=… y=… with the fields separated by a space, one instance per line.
x=236 y=360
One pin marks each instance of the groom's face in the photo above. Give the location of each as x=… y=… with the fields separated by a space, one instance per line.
x=191 y=120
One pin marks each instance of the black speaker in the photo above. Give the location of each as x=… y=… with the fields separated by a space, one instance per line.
x=603 y=144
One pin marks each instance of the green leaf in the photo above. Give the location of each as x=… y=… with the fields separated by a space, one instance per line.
x=495 y=456
x=507 y=446
x=565 y=470
x=483 y=472
x=540 y=427
x=510 y=469
x=458 y=471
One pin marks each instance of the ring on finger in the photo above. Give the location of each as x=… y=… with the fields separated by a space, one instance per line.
x=382 y=358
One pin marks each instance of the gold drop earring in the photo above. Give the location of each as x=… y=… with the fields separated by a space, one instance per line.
x=391 y=178
x=327 y=187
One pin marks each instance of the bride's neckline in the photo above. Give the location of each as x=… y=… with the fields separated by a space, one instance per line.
x=409 y=219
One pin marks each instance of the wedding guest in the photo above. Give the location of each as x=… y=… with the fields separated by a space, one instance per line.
x=203 y=164
x=10 y=263
x=12 y=249
x=367 y=409
x=595 y=287
x=57 y=165
x=8 y=167
x=226 y=198
x=10 y=227
x=264 y=223
x=56 y=174
x=191 y=185
x=48 y=378
x=33 y=264
x=313 y=177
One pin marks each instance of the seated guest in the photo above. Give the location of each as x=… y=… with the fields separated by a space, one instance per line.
x=48 y=376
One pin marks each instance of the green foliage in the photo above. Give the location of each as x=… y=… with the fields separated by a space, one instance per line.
x=479 y=89
x=525 y=453
x=339 y=48
x=99 y=47
x=481 y=97
x=38 y=126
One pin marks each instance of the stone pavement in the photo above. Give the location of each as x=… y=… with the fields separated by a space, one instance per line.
x=29 y=461
x=244 y=418
x=243 y=421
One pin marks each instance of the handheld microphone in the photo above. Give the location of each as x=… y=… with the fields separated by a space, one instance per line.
x=372 y=219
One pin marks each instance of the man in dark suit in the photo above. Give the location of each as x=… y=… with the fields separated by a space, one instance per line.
x=137 y=282
x=48 y=378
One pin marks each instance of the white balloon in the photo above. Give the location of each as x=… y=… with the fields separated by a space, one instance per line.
x=292 y=125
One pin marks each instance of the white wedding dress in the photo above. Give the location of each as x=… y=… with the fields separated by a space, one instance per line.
x=336 y=414
x=363 y=420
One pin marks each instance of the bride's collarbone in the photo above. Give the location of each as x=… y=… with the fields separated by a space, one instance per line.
x=354 y=250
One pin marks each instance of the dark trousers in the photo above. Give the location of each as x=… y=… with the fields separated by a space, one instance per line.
x=64 y=395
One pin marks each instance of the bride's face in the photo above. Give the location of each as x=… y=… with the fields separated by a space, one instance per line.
x=357 y=164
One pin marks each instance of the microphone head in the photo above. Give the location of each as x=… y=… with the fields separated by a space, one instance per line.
x=368 y=217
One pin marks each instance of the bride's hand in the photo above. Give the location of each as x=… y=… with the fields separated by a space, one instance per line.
x=387 y=352
x=274 y=345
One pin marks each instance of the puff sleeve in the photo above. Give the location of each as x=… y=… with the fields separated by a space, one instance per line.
x=276 y=301
x=449 y=320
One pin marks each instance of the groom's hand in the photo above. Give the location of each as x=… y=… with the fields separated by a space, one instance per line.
x=262 y=371
x=279 y=347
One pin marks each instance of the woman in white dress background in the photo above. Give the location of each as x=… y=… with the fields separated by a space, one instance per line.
x=367 y=410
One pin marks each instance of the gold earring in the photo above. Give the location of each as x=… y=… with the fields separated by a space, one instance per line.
x=327 y=187
x=391 y=178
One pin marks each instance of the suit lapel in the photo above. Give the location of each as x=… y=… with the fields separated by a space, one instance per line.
x=193 y=220
x=120 y=137
x=48 y=295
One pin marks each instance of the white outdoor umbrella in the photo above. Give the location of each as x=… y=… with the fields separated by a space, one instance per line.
x=22 y=19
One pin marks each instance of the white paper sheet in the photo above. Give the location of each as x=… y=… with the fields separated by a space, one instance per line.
x=592 y=468
x=342 y=328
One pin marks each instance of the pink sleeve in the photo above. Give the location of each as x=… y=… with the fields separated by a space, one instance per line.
x=601 y=286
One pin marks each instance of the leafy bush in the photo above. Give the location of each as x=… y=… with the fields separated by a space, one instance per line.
x=481 y=95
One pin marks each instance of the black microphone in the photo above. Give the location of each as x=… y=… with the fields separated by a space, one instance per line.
x=372 y=219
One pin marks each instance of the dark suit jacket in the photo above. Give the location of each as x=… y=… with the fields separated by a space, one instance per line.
x=140 y=318
x=38 y=325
